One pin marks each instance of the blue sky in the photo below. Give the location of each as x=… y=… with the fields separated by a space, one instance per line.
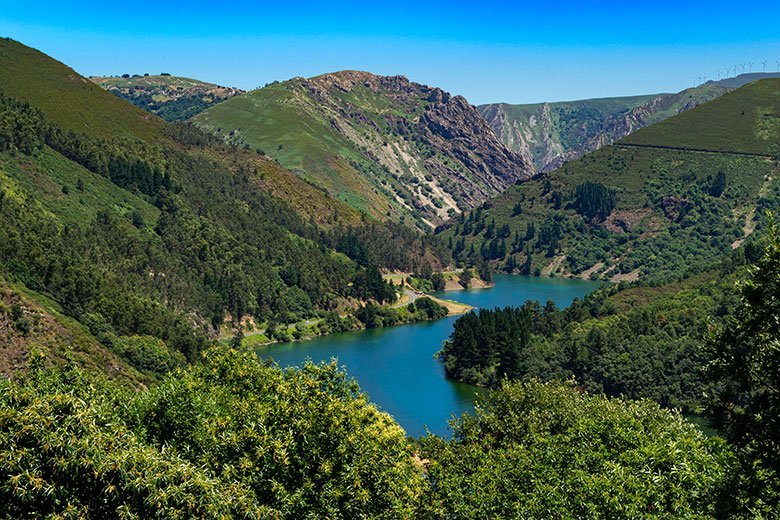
x=487 y=51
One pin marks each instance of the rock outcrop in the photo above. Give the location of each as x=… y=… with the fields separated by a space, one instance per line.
x=404 y=149
x=550 y=134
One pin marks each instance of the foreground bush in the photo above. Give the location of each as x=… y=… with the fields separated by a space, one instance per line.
x=231 y=438
x=536 y=450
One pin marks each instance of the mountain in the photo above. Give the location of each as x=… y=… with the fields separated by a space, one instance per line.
x=155 y=236
x=669 y=199
x=550 y=134
x=391 y=148
x=173 y=98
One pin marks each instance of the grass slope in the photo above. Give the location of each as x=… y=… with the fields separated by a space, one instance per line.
x=67 y=98
x=743 y=121
x=372 y=142
x=301 y=140
x=668 y=217
x=32 y=324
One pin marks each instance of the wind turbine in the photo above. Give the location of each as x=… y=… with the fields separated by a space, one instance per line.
x=763 y=66
x=751 y=66
x=778 y=66
x=718 y=74
x=742 y=68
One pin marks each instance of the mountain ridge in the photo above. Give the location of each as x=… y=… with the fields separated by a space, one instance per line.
x=174 y=98
x=568 y=129
x=670 y=198
x=388 y=146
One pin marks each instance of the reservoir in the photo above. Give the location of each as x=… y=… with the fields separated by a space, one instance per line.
x=396 y=367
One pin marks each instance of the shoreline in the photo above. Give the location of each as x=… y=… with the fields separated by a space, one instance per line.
x=454 y=308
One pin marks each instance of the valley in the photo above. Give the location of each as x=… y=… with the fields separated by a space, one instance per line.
x=354 y=295
x=550 y=134
x=662 y=201
x=412 y=386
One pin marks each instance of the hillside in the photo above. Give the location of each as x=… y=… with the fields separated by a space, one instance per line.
x=33 y=325
x=68 y=98
x=389 y=147
x=154 y=244
x=647 y=207
x=173 y=98
x=550 y=134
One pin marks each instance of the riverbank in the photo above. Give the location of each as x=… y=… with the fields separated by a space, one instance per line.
x=396 y=366
x=451 y=280
x=405 y=311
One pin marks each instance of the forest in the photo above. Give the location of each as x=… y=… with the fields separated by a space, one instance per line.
x=196 y=239
x=634 y=340
x=703 y=347
x=233 y=436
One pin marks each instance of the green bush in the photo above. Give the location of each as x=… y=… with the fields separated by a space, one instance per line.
x=230 y=438
x=536 y=450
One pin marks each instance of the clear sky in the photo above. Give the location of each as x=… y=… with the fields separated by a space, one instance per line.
x=487 y=51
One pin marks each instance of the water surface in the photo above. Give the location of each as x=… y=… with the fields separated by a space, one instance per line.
x=396 y=367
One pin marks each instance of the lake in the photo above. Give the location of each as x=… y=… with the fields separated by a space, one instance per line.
x=396 y=365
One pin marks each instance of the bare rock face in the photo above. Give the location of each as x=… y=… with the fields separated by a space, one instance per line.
x=439 y=147
x=455 y=128
x=548 y=139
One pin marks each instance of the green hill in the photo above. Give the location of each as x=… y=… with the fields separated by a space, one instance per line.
x=743 y=121
x=389 y=147
x=648 y=206
x=66 y=97
x=173 y=98
x=550 y=134
x=153 y=244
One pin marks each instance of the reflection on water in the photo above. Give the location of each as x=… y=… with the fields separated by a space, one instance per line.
x=396 y=365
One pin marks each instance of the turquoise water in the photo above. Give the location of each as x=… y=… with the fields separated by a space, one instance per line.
x=396 y=367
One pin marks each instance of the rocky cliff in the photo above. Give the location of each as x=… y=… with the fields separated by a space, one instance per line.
x=389 y=146
x=550 y=134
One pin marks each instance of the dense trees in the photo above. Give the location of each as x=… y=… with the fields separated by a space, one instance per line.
x=638 y=342
x=230 y=438
x=233 y=437
x=422 y=309
x=673 y=214
x=217 y=244
x=536 y=450
x=594 y=200
x=745 y=368
x=128 y=163
x=648 y=342
x=369 y=285
x=485 y=346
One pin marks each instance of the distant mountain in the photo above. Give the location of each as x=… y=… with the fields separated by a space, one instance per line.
x=173 y=98
x=671 y=198
x=392 y=148
x=549 y=134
